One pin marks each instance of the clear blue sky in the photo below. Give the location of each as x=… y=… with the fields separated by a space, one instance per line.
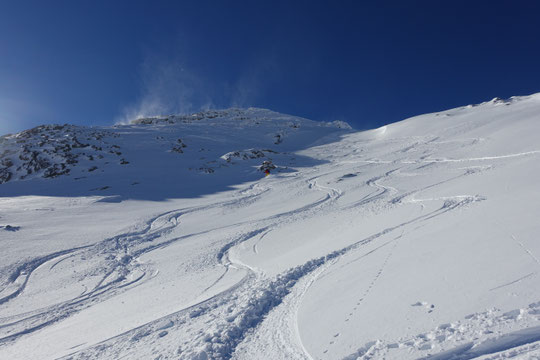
x=368 y=63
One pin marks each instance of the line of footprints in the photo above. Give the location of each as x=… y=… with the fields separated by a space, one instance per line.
x=367 y=291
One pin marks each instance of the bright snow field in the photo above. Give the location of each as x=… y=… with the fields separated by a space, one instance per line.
x=163 y=239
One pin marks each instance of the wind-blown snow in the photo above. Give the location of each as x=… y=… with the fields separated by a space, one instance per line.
x=163 y=239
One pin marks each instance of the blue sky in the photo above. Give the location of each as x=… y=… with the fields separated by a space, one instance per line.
x=368 y=63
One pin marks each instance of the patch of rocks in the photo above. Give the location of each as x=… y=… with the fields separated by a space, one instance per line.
x=50 y=151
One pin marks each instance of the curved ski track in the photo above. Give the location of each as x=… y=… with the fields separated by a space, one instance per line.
x=255 y=296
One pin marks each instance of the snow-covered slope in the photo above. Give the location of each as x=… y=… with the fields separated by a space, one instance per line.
x=163 y=239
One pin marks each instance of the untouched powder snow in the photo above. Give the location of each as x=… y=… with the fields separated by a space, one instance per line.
x=164 y=239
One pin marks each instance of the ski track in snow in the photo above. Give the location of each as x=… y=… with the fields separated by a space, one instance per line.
x=526 y=250
x=265 y=294
x=268 y=294
x=273 y=292
x=122 y=248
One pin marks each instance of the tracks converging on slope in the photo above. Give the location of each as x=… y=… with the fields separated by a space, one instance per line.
x=116 y=259
x=235 y=314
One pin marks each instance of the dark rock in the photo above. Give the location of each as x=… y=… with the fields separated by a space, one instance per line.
x=11 y=228
x=5 y=175
x=55 y=171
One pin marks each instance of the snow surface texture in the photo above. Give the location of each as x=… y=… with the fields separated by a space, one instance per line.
x=163 y=239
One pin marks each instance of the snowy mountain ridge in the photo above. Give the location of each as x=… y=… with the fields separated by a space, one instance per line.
x=417 y=240
x=238 y=117
x=49 y=151
x=54 y=150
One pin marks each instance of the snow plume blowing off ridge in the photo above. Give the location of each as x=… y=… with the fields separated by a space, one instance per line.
x=167 y=87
